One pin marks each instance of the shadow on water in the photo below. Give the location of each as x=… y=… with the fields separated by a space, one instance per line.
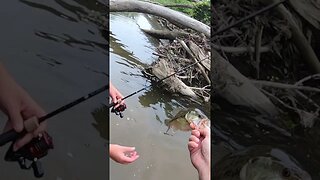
x=102 y=125
x=156 y=97
x=143 y=125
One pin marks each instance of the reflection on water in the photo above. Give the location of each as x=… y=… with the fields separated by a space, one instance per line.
x=102 y=125
x=161 y=156
x=57 y=51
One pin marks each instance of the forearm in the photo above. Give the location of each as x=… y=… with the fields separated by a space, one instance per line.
x=5 y=77
x=111 y=89
x=3 y=73
x=111 y=150
x=204 y=174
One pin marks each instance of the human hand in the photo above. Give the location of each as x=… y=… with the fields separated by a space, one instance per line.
x=123 y=154
x=199 y=148
x=116 y=96
x=18 y=106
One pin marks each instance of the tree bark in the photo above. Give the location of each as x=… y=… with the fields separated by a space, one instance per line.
x=163 y=34
x=195 y=60
x=299 y=39
x=174 y=17
x=236 y=88
x=172 y=35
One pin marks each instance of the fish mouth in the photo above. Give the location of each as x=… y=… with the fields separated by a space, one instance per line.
x=200 y=123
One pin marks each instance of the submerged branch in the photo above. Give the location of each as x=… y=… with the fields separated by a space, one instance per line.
x=284 y=86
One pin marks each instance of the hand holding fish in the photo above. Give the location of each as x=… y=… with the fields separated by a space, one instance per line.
x=199 y=147
x=123 y=154
x=16 y=103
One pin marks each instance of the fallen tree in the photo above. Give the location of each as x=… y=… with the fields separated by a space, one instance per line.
x=172 y=35
x=292 y=34
x=174 y=17
x=228 y=81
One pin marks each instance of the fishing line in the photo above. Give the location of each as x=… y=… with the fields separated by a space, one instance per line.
x=265 y=9
x=13 y=135
x=145 y=88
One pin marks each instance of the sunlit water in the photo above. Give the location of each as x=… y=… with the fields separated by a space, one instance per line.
x=161 y=156
x=57 y=51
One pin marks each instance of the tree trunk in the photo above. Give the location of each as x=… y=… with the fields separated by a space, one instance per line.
x=174 y=17
x=164 y=34
x=299 y=39
x=237 y=89
x=172 y=35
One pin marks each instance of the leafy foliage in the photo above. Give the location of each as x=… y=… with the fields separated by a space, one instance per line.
x=201 y=11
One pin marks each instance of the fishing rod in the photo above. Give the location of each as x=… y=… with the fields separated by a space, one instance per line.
x=13 y=135
x=145 y=88
x=216 y=33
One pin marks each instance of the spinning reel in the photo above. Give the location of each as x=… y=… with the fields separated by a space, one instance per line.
x=29 y=155
x=119 y=110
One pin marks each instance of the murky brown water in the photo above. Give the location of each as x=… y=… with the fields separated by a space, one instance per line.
x=161 y=156
x=55 y=50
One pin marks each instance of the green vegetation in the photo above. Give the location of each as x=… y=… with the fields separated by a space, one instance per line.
x=200 y=10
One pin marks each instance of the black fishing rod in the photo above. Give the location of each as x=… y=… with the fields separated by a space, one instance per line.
x=265 y=9
x=13 y=135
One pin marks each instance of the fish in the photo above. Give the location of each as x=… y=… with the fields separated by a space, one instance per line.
x=259 y=163
x=181 y=121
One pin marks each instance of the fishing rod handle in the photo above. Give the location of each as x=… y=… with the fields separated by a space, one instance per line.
x=8 y=137
x=30 y=125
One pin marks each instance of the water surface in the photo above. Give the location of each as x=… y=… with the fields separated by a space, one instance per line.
x=57 y=51
x=161 y=156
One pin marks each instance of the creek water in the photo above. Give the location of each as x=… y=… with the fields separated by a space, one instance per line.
x=161 y=156
x=56 y=50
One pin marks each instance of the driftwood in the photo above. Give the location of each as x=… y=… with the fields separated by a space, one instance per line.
x=163 y=34
x=299 y=39
x=162 y=70
x=172 y=35
x=237 y=89
x=243 y=92
x=195 y=60
x=197 y=51
x=171 y=5
x=309 y=10
x=229 y=49
x=285 y=86
x=174 y=17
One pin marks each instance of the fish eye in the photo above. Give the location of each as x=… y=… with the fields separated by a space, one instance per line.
x=286 y=172
x=253 y=160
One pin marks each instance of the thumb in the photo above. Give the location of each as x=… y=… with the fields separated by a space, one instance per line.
x=128 y=148
x=16 y=119
x=114 y=99
x=205 y=131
